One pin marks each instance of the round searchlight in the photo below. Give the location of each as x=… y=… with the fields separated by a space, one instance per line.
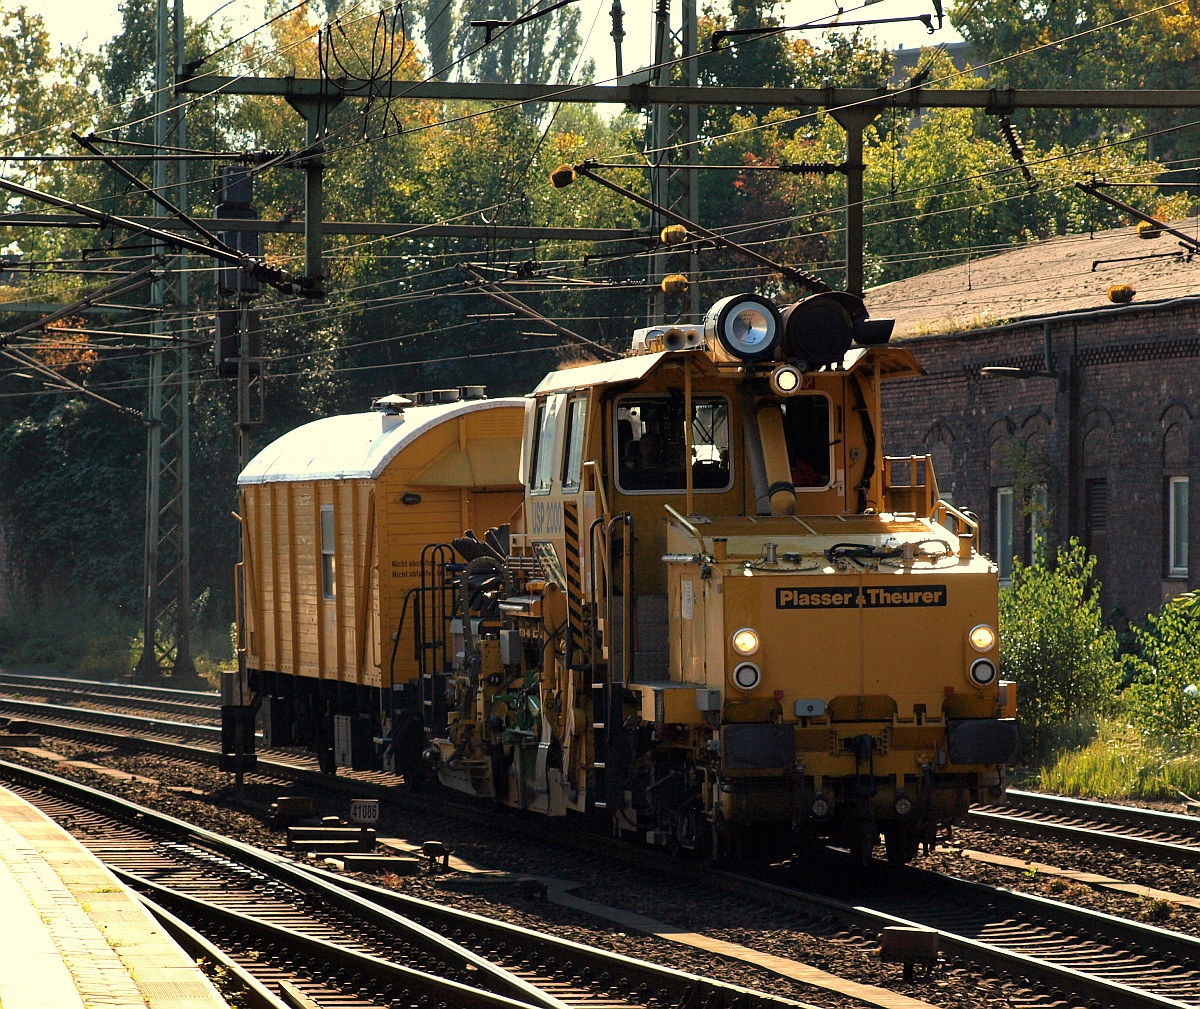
x=743 y=327
x=983 y=671
x=745 y=641
x=746 y=676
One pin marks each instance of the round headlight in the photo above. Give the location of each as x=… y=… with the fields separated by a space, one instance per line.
x=745 y=327
x=820 y=807
x=785 y=380
x=982 y=638
x=983 y=671
x=747 y=676
x=902 y=805
x=745 y=641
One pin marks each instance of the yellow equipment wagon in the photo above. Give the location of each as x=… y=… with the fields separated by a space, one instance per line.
x=335 y=516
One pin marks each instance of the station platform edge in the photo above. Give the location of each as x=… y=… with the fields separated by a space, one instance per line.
x=72 y=936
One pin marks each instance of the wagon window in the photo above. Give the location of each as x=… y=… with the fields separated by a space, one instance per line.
x=544 y=424
x=573 y=454
x=651 y=444
x=328 y=557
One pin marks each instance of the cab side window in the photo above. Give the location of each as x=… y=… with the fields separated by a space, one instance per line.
x=545 y=423
x=573 y=443
x=806 y=426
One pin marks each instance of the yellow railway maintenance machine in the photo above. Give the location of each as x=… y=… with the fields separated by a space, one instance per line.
x=725 y=618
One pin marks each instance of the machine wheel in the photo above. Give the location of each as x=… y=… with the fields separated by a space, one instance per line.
x=901 y=844
x=863 y=841
x=325 y=760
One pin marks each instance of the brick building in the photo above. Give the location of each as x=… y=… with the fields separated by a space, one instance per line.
x=1072 y=414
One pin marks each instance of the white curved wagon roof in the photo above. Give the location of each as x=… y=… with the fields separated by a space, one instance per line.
x=352 y=446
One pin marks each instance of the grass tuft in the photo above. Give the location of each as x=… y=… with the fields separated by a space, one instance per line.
x=1119 y=764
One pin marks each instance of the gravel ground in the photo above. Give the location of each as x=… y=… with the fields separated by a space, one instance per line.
x=203 y=795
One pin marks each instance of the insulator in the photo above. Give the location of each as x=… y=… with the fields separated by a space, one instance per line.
x=562 y=176
x=674 y=234
x=1017 y=150
x=675 y=283
x=1121 y=294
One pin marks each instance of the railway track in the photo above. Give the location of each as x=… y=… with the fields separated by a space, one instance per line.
x=1065 y=949
x=1171 y=837
x=291 y=927
x=182 y=705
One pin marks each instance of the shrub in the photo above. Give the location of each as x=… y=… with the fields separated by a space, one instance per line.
x=1162 y=700
x=87 y=636
x=1055 y=645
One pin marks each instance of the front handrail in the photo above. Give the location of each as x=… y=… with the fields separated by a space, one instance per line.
x=944 y=509
x=929 y=484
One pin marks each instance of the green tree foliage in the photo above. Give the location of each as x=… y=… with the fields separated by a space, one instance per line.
x=1152 y=47
x=1055 y=645
x=543 y=49
x=1162 y=700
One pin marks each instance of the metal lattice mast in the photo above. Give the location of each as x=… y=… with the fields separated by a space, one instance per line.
x=166 y=576
x=673 y=134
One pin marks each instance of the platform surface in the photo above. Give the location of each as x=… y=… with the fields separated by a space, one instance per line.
x=72 y=936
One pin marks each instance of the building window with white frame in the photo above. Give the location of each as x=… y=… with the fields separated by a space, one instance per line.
x=1177 y=526
x=1004 y=532
x=1038 y=508
x=328 y=554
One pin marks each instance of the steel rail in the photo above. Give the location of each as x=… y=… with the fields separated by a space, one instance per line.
x=1110 y=810
x=387 y=971
x=443 y=916
x=255 y=994
x=136 y=722
x=59 y=695
x=1157 y=833
x=1097 y=834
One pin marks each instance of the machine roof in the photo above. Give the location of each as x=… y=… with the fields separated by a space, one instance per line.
x=627 y=369
x=895 y=362
x=353 y=446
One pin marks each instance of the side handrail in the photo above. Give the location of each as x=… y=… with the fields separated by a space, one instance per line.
x=689 y=527
x=237 y=604
x=596 y=569
x=626 y=528
x=929 y=483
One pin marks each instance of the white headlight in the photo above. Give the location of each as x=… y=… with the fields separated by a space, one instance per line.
x=785 y=380
x=982 y=638
x=745 y=641
x=983 y=671
x=747 y=676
